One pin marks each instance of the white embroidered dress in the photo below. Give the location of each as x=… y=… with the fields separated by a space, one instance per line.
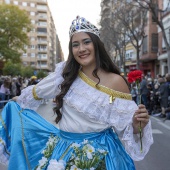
x=86 y=109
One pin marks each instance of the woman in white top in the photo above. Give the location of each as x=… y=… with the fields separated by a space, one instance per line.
x=93 y=107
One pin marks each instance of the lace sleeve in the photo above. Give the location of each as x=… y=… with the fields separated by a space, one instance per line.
x=132 y=142
x=45 y=89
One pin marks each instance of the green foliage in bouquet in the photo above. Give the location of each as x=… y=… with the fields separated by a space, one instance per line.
x=86 y=157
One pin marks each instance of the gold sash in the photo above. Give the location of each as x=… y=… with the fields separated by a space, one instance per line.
x=112 y=93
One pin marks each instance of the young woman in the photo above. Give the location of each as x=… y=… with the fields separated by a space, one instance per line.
x=93 y=107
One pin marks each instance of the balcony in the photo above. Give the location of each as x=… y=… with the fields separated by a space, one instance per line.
x=42 y=49
x=42 y=58
x=40 y=24
x=42 y=42
x=42 y=17
x=42 y=1
x=41 y=33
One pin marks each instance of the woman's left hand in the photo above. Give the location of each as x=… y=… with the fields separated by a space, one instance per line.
x=141 y=115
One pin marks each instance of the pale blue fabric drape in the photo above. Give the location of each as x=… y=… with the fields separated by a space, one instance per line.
x=25 y=134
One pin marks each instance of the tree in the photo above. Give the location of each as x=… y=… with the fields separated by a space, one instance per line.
x=41 y=74
x=13 y=69
x=133 y=21
x=27 y=71
x=14 y=26
x=157 y=15
x=121 y=24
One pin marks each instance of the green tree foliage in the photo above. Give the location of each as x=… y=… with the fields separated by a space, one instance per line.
x=14 y=26
x=41 y=74
x=27 y=71
x=13 y=69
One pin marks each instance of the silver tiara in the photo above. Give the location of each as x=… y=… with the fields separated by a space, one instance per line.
x=80 y=24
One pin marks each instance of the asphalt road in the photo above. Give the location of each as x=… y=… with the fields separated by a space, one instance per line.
x=158 y=157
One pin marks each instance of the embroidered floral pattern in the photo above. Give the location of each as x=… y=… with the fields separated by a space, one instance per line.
x=4 y=155
x=47 y=152
x=86 y=157
x=56 y=165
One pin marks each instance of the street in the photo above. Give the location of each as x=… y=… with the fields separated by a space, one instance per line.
x=159 y=155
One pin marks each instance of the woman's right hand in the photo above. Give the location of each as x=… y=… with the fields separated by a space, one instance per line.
x=14 y=98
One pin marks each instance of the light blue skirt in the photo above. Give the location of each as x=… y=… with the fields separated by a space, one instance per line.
x=29 y=142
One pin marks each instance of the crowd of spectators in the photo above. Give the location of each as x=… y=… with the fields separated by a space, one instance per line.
x=155 y=94
x=12 y=86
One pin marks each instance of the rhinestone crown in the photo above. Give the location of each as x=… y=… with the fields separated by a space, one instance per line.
x=80 y=24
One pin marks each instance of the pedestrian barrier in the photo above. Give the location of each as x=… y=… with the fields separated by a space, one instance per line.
x=4 y=101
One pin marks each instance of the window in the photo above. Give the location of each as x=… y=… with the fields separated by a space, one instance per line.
x=167 y=32
x=32 y=46
x=32 y=38
x=131 y=55
x=42 y=7
x=154 y=43
x=32 y=63
x=42 y=47
x=7 y=1
x=32 y=4
x=15 y=2
x=42 y=39
x=32 y=29
x=33 y=21
x=24 y=3
x=24 y=54
x=145 y=45
x=42 y=23
x=127 y=56
x=32 y=13
x=42 y=30
x=42 y=15
x=32 y=54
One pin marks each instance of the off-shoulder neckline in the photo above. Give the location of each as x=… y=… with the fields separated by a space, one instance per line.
x=107 y=90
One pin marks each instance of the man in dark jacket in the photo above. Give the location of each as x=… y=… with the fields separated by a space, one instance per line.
x=144 y=92
x=163 y=93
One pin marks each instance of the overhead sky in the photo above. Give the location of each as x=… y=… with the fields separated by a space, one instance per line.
x=65 y=11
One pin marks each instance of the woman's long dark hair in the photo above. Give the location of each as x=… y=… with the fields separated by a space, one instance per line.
x=71 y=69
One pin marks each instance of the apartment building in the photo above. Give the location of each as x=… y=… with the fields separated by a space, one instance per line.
x=153 y=54
x=162 y=52
x=148 y=54
x=41 y=53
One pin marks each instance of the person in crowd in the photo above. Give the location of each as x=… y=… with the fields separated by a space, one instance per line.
x=19 y=85
x=155 y=100
x=167 y=77
x=144 y=91
x=4 y=92
x=134 y=92
x=163 y=94
x=13 y=87
x=33 y=81
x=93 y=106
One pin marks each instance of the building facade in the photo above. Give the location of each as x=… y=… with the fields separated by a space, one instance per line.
x=153 y=54
x=41 y=54
x=162 y=52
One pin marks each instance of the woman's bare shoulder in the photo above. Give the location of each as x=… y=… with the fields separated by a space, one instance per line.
x=118 y=83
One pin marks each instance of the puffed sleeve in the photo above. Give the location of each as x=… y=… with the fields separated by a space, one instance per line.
x=132 y=141
x=31 y=97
